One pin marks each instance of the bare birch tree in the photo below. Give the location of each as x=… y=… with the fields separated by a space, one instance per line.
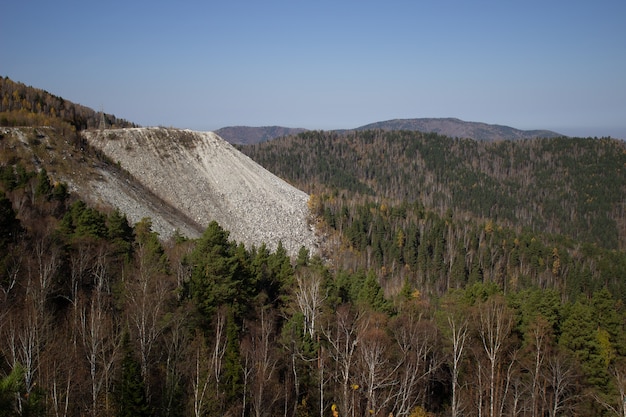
x=494 y=326
x=343 y=338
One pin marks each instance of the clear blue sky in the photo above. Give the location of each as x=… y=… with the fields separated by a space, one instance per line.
x=321 y=64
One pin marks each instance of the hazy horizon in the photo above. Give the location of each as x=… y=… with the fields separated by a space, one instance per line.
x=328 y=65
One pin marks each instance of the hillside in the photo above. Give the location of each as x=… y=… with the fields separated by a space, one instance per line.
x=206 y=179
x=457 y=128
x=22 y=105
x=182 y=180
x=568 y=186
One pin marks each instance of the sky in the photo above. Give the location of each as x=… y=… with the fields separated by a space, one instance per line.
x=203 y=65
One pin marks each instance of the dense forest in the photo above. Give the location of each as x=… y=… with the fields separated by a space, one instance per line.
x=420 y=304
x=568 y=186
x=101 y=318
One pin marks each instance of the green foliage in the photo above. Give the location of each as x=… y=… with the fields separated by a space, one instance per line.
x=216 y=275
x=43 y=188
x=303 y=257
x=577 y=183
x=146 y=238
x=121 y=235
x=131 y=390
x=371 y=294
x=232 y=363
x=579 y=334
x=10 y=390
x=9 y=224
x=84 y=222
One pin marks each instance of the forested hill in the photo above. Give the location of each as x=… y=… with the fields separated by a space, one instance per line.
x=454 y=127
x=22 y=105
x=569 y=186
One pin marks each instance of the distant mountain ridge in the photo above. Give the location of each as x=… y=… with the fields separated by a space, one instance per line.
x=457 y=128
x=247 y=135
x=449 y=126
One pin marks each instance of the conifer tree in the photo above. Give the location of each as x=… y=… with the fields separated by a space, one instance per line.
x=132 y=401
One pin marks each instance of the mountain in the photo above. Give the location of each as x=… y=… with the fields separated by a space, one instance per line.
x=242 y=135
x=453 y=127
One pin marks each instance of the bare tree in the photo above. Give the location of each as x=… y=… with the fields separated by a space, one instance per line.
x=262 y=364
x=22 y=341
x=147 y=293
x=458 y=335
x=540 y=339
x=563 y=376
x=618 y=407
x=100 y=335
x=309 y=298
x=176 y=343
x=375 y=371
x=201 y=378
x=343 y=338
x=415 y=340
x=494 y=326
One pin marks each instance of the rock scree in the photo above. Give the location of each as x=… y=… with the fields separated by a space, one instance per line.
x=203 y=178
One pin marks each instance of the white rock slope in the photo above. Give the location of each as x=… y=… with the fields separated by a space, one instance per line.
x=206 y=178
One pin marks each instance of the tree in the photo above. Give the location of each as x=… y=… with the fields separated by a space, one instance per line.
x=374 y=370
x=132 y=400
x=343 y=338
x=147 y=291
x=9 y=224
x=309 y=298
x=216 y=277
x=494 y=321
x=458 y=334
x=261 y=361
x=100 y=336
x=10 y=392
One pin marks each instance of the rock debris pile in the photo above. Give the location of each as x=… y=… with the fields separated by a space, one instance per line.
x=197 y=177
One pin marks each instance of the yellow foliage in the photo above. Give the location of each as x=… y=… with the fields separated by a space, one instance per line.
x=489 y=227
x=315 y=205
x=400 y=239
x=607 y=351
x=418 y=412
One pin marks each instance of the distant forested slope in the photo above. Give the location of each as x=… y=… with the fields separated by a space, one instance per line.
x=569 y=186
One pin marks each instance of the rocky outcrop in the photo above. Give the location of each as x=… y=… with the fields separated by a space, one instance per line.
x=197 y=177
